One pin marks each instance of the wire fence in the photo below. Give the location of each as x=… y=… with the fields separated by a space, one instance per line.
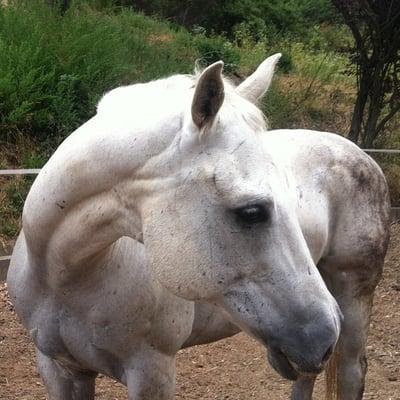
x=5 y=260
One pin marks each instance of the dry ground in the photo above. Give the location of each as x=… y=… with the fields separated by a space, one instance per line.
x=231 y=369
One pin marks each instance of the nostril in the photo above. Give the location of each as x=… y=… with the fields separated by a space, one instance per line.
x=328 y=353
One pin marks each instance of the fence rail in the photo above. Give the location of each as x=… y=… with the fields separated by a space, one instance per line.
x=387 y=151
x=34 y=171
x=5 y=260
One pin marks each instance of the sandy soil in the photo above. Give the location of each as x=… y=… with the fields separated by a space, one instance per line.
x=233 y=369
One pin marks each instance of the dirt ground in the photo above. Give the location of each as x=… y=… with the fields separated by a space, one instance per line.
x=234 y=368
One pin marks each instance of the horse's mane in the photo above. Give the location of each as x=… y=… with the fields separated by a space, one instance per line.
x=174 y=94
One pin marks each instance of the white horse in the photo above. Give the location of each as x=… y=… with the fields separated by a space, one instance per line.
x=230 y=217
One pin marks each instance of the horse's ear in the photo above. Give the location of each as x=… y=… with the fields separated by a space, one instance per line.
x=255 y=86
x=209 y=95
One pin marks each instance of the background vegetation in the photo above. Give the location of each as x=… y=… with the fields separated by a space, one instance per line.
x=56 y=63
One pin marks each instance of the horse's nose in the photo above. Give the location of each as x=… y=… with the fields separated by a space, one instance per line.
x=327 y=354
x=309 y=351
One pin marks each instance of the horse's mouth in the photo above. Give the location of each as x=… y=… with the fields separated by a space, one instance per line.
x=281 y=364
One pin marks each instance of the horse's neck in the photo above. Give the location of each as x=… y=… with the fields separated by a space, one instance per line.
x=85 y=197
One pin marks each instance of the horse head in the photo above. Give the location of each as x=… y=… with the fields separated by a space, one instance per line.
x=219 y=225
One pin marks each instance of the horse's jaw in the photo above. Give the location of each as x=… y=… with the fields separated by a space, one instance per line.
x=281 y=364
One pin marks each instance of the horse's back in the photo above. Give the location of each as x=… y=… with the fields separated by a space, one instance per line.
x=341 y=190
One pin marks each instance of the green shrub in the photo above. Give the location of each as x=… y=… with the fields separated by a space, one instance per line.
x=286 y=62
x=12 y=196
x=54 y=69
x=279 y=107
x=292 y=17
x=217 y=48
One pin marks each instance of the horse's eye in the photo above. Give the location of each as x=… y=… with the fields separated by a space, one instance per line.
x=252 y=214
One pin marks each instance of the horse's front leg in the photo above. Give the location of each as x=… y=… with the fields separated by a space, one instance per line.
x=302 y=389
x=151 y=376
x=62 y=384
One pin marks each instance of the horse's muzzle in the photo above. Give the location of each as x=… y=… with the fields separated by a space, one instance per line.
x=300 y=332
x=304 y=352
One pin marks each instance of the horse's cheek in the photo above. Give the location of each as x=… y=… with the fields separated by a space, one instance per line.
x=174 y=263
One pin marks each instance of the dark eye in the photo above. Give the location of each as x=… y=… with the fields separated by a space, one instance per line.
x=252 y=214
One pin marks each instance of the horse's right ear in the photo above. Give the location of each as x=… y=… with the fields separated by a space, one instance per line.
x=209 y=95
x=255 y=86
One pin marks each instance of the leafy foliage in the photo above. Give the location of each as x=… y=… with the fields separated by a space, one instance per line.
x=54 y=69
x=291 y=16
x=55 y=66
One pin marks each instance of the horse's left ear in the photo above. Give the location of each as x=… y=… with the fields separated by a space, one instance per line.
x=209 y=95
x=255 y=86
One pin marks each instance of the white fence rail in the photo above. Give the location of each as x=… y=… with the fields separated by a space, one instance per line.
x=19 y=171
x=387 y=151
x=5 y=260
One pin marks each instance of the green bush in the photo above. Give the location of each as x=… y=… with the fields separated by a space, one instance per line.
x=279 y=107
x=214 y=49
x=54 y=69
x=222 y=16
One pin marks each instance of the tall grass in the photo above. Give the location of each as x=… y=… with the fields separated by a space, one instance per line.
x=54 y=69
